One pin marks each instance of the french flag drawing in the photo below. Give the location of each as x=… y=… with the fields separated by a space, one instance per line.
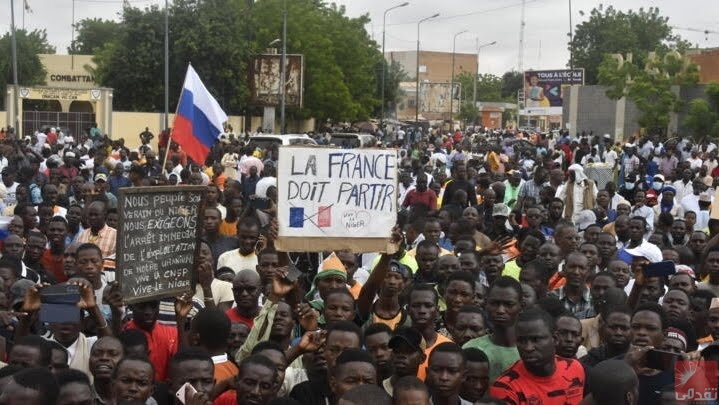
x=321 y=219
x=199 y=118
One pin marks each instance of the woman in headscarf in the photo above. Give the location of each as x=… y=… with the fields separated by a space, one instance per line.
x=578 y=193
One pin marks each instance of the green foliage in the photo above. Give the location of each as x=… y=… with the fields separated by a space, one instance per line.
x=394 y=75
x=703 y=115
x=610 y=31
x=30 y=71
x=92 y=35
x=649 y=84
x=512 y=82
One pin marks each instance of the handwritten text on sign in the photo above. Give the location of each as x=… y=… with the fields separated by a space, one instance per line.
x=337 y=192
x=157 y=241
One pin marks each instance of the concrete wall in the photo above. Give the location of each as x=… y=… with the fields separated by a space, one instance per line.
x=438 y=64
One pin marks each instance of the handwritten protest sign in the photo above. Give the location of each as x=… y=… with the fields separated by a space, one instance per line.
x=331 y=199
x=157 y=240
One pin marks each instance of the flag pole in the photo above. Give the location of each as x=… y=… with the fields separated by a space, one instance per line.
x=169 y=137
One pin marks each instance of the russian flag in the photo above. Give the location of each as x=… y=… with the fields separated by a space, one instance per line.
x=199 y=118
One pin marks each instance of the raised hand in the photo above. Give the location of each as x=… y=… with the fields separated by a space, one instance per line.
x=308 y=316
x=312 y=341
x=87 y=294
x=183 y=305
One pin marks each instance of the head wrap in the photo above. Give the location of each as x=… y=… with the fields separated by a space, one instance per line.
x=579 y=175
x=678 y=334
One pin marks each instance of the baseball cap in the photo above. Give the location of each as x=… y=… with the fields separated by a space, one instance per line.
x=19 y=289
x=409 y=336
x=648 y=251
x=69 y=154
x=683 y=268
x=101 y=177
x=584 y=219
x=660 y=177
x=397 y=267
x=500 y=210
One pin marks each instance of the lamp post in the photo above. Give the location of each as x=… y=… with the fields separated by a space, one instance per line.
x=474 y=97
x=416 y=99
x=283 y=68
x=13 y=47
x=167 y=67
x=451 y=86
x=384 y=19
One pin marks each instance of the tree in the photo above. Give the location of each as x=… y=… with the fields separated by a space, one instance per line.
x=512 y=82
x=610 y=31
x=649 y=84
x=394 y=75
x=703 y=114
x=93 y=34
x=30 y=71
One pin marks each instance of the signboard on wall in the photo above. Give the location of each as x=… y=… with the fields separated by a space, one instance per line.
x=54 y=93
x=266 y=79
x=333 y=199
x=434 y=97
x=544 y=90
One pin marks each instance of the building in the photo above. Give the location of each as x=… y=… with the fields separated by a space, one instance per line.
x=435 y=71
x=708 y=61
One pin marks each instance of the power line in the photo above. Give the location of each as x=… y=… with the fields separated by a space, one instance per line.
x=450 y=17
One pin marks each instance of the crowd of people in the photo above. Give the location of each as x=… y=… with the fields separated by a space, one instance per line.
x=511 y=277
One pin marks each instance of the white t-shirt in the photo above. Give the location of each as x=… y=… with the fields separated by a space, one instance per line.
x=236 y=261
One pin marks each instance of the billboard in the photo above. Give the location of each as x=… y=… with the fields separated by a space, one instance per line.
x=265 y=84
x=544 y=90
x=434 y=97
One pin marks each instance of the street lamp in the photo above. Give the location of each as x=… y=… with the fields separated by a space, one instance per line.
x=283 y=67
x=451 y=86
x=384 y=18
x=474 y=97
x=416 y=100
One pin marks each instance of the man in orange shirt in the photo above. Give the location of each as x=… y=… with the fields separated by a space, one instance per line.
x=210 y=330
x=423 y=310
x=162 y=340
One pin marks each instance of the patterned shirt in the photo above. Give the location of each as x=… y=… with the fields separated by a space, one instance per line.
x=105 y=239
x=583 y=304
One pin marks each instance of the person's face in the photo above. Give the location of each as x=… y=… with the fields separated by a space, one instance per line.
x=411 y=397
x=422 y=308
x=568 y=333
x=145 y=314
x=575 y=270
x=56 y=232
x=460 y=172
x=617 y=331
x=89 y=265
x=549 y=256
x=212 y=195
x=600 y=285
x=65 y=333
x=133 y=381
x=248 y=237
x=503 y=305
x=697 y=187
x=328 y=283
x=378 y=346
x=392 y=284
x=647 y=329
x=476 y=381
x=672 y=345
x=432 y=231
x=490 y=197
x=336 y=343
x=536 y=345
x=255 y=385
x=350 y=375
x=712 y=323
x=468 y=262
x=603 y=199
x=568 y=240
x=623 y=209
x=555 y=209
x=212 y=221
x=283 y=321
x=199 y=373
x=349 y=260
x=446 y=265
x=426 y=257
x=104 y=356
x=606 y=246
x=711 y=264
x=25 y=356
x=698 y=311
x=339 y=307
x=246 y=290
x=676 y=305
x=639 y=198
x=445 y=373
x=697 y=241
x=458 y=294
x=267 y=266
x=74 y=214
x=75 y=393
x=622 y=272
x=34 y=249
x=238 y=335
x=237 y=205
x=30 y=218
x=683 y=282
x=467 y=326
x=16 y=226
x=678 y=231
x=529 y=248
x=96 y=216
x=636 y=230
x=279 y=360
x=421 y=184
x=15 y=394
x=471 y=215
x=492 y=265
x=534 y=217
x=406 y=359
x=21 y=194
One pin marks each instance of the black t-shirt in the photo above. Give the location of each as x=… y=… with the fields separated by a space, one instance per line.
x=312 y=393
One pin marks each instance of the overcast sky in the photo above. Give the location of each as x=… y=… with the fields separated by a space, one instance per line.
x=545 y=39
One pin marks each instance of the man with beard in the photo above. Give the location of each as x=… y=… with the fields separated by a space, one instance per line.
x=376 y=338
x=568 y=335
x=540 y=376
x=615 y=332
x=504 y=301
x=104 y=356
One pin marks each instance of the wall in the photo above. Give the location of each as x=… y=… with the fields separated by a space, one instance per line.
x=708 y=61
x=438 y=64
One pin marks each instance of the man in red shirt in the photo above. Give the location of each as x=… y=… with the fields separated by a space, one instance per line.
x=162 y=340
x=421 y=195
x=246 y=288
x=540 y=377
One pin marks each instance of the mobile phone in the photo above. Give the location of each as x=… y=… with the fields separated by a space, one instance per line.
x=660 y=269
x=59 y=303
x=180 y=394
x=661 y=360
x=293 y=275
